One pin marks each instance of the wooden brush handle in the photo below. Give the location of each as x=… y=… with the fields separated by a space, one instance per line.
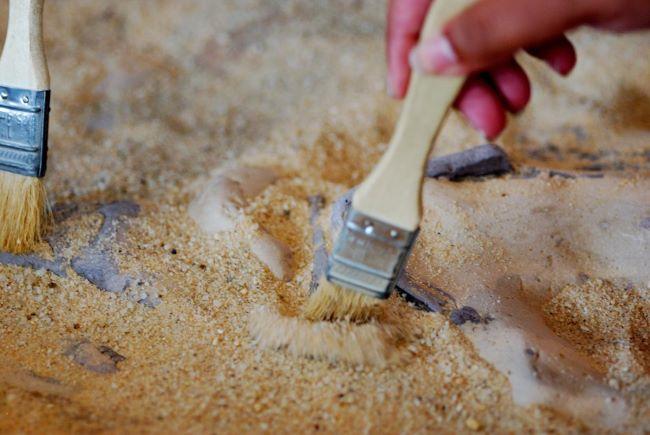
x=23 y=64
x=392 y=191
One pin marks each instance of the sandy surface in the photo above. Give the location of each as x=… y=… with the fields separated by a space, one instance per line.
x=149 y=98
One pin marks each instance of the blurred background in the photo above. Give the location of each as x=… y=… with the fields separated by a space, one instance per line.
x=149 y=95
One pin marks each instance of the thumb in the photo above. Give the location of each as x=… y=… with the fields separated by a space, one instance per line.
x=492 y=30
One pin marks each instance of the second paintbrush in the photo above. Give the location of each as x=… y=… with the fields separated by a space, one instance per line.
x=24 y=113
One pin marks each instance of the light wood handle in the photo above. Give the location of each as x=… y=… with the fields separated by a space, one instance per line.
x=23 y=64
x=392 y=191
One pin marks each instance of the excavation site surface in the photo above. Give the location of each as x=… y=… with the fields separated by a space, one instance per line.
x=202 y=159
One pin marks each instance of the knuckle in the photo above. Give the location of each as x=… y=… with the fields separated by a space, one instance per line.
x=471 y=37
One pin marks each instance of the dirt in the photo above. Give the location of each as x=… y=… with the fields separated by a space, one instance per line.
x=150 y=98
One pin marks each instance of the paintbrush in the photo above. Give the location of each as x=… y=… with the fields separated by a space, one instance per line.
x=24 y=111
x=382 y=224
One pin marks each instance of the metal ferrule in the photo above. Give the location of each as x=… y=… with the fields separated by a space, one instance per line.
x=368 y=255
x=23 y=131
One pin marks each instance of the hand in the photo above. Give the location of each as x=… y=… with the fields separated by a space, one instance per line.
x=481 y=41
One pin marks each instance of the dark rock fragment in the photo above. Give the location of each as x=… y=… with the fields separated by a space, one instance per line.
x=113 y=214
x=645 y=223
x=432 y=300
x=561 y=174
x=98 y=268
x=56 y=266
x=114 y=356
x=479 y=161
x=96 y=262
x=465 y=314
x=151 y=301
x=99 y=359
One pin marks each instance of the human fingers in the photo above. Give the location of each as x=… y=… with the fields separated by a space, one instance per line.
x=405 y=18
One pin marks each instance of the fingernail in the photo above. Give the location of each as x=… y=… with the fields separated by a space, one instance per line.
x=435 y=56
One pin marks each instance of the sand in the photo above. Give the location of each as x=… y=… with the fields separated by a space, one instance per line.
x=151 y=99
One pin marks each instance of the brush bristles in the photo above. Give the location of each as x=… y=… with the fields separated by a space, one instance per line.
x=371 y=343
x=330 y=302
x=24 y=214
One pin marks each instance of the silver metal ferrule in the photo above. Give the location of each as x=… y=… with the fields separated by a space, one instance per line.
x=23 y=131
x=368 y=255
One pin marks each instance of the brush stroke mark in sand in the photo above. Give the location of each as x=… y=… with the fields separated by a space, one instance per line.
x=31 y=382
x=98 y=359
x=218 y=208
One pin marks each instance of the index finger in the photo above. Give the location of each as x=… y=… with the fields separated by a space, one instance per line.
x=405 y=18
